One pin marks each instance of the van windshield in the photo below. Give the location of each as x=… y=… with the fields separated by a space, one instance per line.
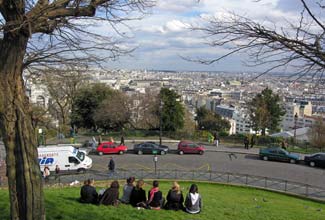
x=81 y=155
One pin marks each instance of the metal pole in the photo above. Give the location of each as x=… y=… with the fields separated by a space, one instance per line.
x=295 y=131
x=160 y=122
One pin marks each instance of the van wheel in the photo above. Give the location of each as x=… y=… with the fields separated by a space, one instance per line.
x=312 y=163
x=121 y=152
x=292 y=161
x=162 y=152
x=265 y=158
x=181 y=152
x=140 y=152
x=100 y=153
x=81 y=170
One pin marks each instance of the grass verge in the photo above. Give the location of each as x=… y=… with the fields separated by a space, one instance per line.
x=220 y=202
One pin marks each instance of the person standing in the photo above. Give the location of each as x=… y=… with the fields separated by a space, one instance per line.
x=122 y=140
x=57 y=169
x=246 y=142
x=111 y=166
x=252 y=141
x=46 y=173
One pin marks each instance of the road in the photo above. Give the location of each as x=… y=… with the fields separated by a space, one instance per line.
x=217 y=161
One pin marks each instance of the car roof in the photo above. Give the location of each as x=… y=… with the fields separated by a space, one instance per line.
x=188 y=142
x=272 y=148
x=320 y=153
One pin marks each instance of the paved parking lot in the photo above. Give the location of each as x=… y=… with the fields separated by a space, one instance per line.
x=217 y=161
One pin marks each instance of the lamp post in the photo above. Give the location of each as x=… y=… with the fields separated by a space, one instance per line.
x=295 y=131
x=155 y=160
x=160 y=121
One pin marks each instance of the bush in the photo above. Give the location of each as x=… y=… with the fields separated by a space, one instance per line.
x=268 y=140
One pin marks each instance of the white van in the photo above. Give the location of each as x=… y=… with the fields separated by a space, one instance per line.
x=68 y=158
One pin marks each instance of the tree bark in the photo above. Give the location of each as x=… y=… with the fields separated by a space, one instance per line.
x=24 y=176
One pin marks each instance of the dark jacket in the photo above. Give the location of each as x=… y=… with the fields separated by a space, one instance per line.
x=137 y=196
x=157 y=199
x=174 y=200
x=111 y=165
x=110 y=197
x=88 y=194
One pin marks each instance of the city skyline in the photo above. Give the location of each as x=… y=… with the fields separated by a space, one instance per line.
x=163 y=37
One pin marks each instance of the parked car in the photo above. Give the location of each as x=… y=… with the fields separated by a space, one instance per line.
x=315 y=160
x=111 y=148
x=279 y=154
x=187 y=147
x=150 y=148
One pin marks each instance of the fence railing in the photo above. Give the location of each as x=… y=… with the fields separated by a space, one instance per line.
x=286 y=186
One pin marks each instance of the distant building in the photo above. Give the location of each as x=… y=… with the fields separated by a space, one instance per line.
x=295 y=114
x=225 y=111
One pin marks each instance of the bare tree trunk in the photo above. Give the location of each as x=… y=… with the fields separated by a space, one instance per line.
x=24 y=177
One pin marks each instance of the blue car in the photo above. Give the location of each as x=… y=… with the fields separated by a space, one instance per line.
x=278 y=154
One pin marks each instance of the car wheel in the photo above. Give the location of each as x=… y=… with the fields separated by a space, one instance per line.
x=121 y=152
x=100 y=153
x=181 y=152
x=292 y=161
x=265 y=158
x=140 y=152
x=201 y=152
x=162 y=152
x=312 y=163
x=81 y=170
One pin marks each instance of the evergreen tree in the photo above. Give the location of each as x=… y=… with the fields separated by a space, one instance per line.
x=86 y=102
x=172 y=111
x=209 y=120
x=265 y=111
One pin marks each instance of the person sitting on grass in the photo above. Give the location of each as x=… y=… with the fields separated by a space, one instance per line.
x=175 y=198
x=193 y=202
x=88 y=192
x=155 y=198
x=127 y=189
x=138 y=195
x=110 y=196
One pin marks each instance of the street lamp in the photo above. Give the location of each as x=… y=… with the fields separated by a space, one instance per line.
x=155 y=160
x=295 y=131
x=160 y=121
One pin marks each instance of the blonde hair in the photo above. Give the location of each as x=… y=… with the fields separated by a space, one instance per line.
x=176 y=187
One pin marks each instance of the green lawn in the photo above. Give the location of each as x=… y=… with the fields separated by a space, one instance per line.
x=219 y=202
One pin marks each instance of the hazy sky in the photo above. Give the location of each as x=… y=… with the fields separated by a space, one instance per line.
x=163 y=36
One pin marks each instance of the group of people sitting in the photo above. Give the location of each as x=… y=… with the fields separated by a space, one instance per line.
x=136 y=196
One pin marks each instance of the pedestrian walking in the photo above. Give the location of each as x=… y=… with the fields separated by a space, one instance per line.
x=122 y=140
x=216 y=140
x=246 y=142
x=252 y=142
x=111 y=166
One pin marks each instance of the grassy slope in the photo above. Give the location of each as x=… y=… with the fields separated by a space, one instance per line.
x=219 y=202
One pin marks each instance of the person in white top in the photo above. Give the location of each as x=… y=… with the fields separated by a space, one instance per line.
x=193 y=201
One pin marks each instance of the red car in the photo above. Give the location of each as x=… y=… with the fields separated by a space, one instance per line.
x=187 y=147
x=111 y=148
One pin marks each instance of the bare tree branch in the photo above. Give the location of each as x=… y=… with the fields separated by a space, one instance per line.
x=299 y=46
